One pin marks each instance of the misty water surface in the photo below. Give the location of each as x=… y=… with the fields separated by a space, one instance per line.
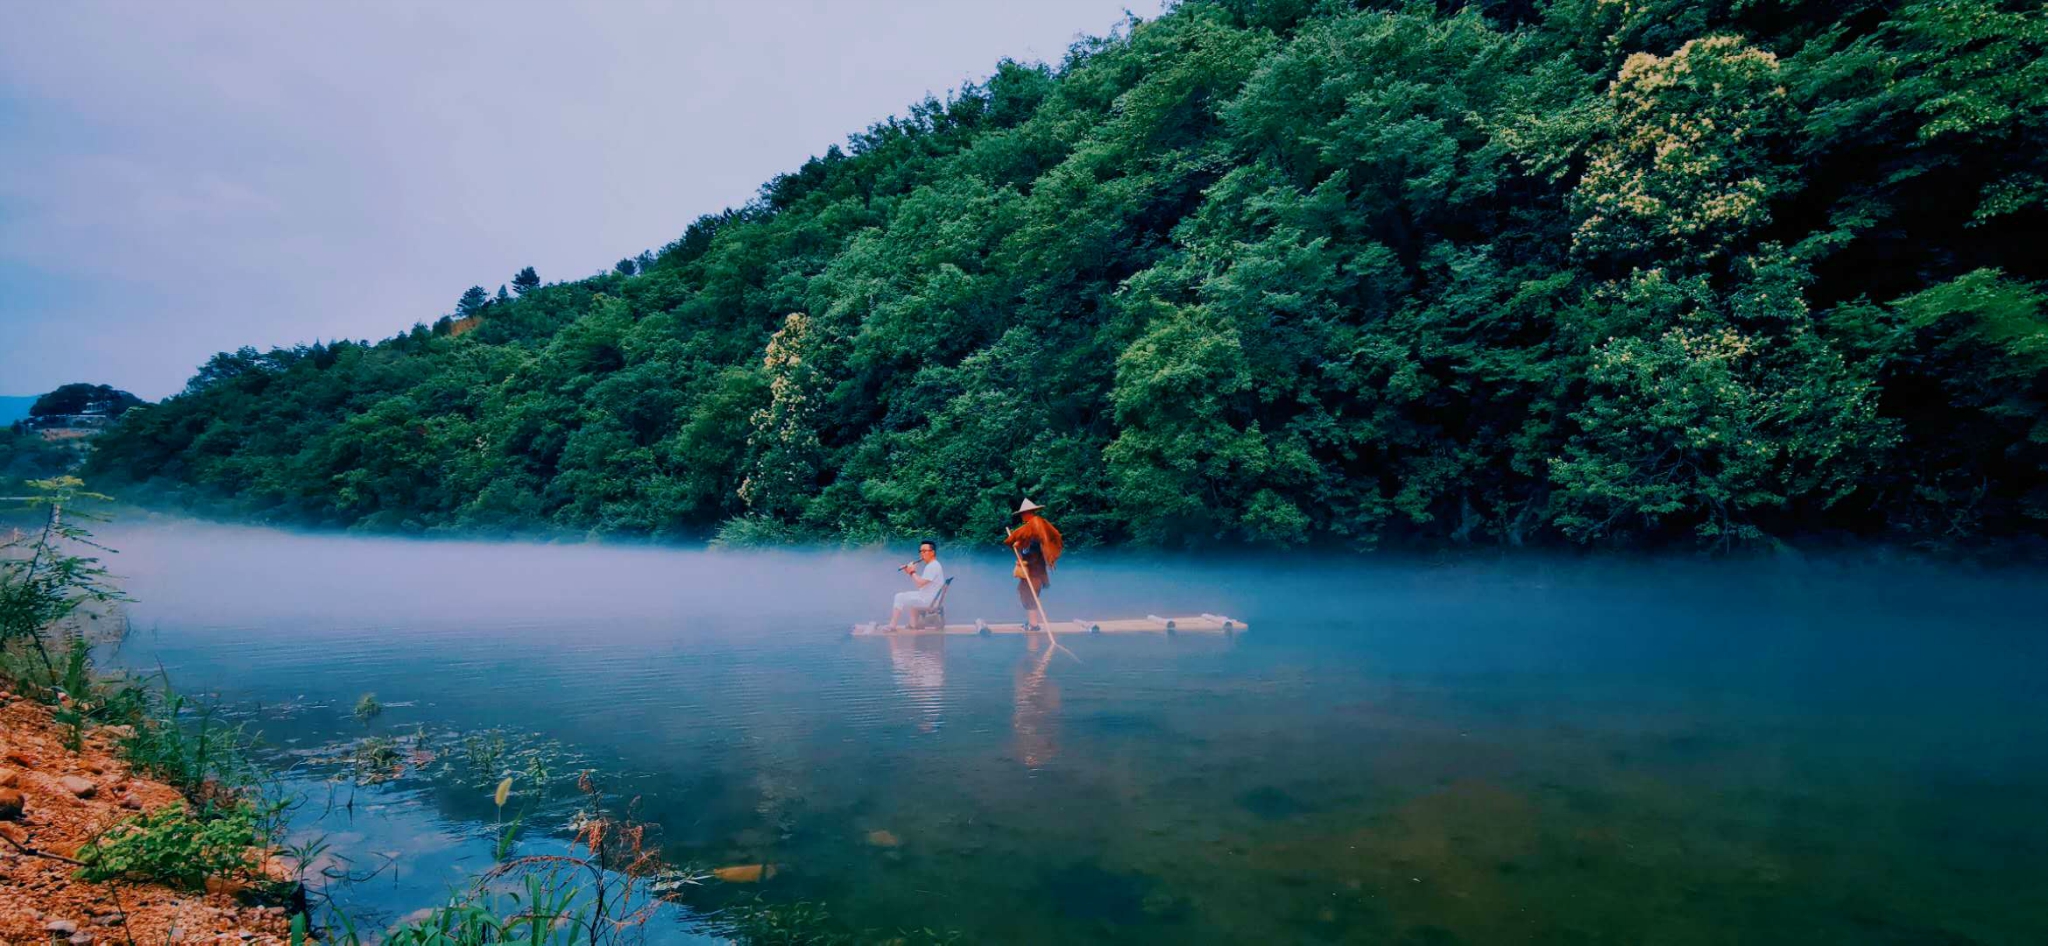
x=1521 y=751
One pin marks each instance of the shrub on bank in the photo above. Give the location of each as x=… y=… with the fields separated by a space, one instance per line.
x=175 y=847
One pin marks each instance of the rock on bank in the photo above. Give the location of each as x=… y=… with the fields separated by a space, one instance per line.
x=55 y=801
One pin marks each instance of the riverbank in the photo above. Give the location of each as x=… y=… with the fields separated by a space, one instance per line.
x=55 y=801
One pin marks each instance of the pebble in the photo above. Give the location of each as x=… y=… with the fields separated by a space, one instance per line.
x=111 y=919
x=65 y=927
x=11 y=804
x=9 y=778
x=83 y=788
x=131 y=803
x=80 y=939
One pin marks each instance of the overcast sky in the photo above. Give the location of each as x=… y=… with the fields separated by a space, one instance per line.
x=180 y=177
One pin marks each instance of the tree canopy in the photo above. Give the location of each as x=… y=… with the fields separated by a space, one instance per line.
x=1271 y=272
x=83 y=398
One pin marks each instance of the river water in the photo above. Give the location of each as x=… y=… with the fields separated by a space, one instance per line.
x=1518 y=751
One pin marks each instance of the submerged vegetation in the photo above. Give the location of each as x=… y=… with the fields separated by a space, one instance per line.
x=1270 y=272
x=229 y=827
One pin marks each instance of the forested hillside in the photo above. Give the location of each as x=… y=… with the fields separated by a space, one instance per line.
x=1661 y=272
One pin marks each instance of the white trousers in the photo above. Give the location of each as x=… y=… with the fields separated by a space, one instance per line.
x=914 y=599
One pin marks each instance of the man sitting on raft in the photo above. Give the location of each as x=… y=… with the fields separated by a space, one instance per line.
x=929 y=579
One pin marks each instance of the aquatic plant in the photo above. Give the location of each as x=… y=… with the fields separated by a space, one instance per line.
x=757 y=921
x=367 y=708
x=544 y=911
x=595 y=895
x=375 y=759
x=485 y=752
x=539 y=767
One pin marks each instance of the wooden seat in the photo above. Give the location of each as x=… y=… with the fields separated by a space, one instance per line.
x=935 y=614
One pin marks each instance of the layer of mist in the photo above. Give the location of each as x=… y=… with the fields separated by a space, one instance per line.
x=1553 y=724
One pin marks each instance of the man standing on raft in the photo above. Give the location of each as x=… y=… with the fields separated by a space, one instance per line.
x=1037 y=545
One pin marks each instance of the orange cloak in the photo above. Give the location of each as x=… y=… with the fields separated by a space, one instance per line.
x=1037 y=527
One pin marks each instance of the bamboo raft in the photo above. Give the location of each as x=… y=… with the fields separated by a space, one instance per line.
x=1149 y=624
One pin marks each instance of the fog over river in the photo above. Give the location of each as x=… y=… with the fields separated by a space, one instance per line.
x=1497 y=751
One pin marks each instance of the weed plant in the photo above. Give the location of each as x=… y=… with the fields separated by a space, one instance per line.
x=544 y=910
x=176 y=847
x=188 y=745
x=46 y=577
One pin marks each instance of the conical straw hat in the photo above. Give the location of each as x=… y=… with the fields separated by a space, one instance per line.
x=1027 y=506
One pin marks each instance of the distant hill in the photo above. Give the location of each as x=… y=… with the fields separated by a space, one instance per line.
x=14 y=408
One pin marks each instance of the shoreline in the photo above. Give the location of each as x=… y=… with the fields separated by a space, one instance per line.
x=69 y=798
x=1806 y=549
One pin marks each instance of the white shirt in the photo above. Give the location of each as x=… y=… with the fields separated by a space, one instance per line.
x=935 y=574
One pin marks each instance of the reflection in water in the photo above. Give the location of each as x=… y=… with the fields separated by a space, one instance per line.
x=918 y=662
x=1528 y=752
x=1036 y=697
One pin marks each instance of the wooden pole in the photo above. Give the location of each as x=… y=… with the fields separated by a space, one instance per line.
x=1047 y=618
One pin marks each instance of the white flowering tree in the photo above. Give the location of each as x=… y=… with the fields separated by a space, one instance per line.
x=784 y=444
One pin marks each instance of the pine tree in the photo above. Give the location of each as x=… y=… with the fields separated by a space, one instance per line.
x=473 y=299
x=525 y=281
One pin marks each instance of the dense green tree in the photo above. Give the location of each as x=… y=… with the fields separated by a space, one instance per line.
x=1270 y=272
x=82 y=398
x=1724 y=410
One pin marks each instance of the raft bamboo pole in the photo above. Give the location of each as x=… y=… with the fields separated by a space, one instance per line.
x=1042 y=616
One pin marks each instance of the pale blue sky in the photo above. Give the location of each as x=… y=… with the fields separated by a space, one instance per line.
x=179 y=177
